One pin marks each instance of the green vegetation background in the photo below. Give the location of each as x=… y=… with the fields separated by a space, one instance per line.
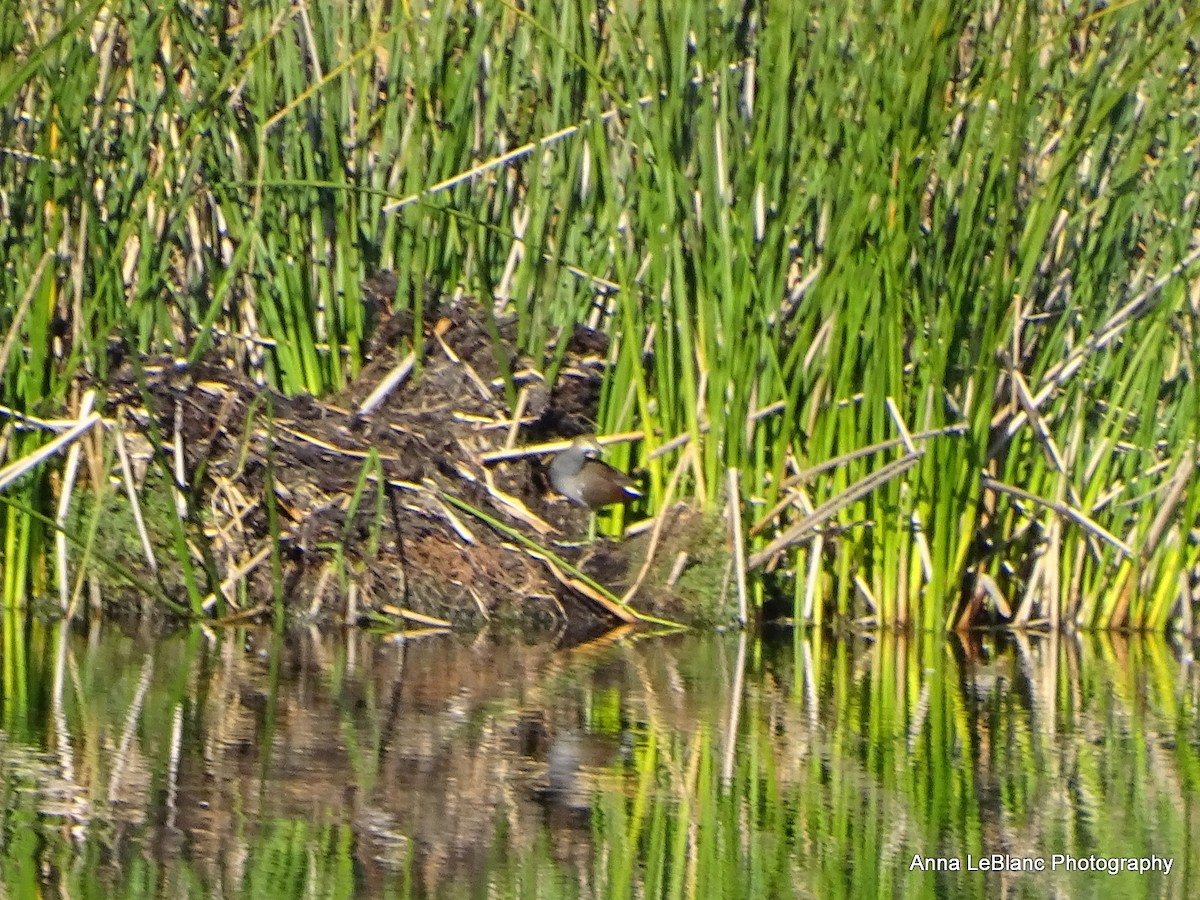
x=946 y=251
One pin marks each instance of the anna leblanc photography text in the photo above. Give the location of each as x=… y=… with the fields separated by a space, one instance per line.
x=1001 y=862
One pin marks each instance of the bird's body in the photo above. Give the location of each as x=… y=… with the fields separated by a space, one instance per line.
x=585 y=480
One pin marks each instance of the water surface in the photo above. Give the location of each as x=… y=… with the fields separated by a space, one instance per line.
x=241 y=763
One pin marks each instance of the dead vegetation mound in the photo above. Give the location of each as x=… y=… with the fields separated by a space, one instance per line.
x=414 y=492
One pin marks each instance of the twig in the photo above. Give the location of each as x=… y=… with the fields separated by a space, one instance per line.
x=659 y=522
x=827 y=510
x=134 y=503
x=735 y=709
x=495 y=456
x=412 y=616
x=524 y=150
x=26 y=464
x=389 y=383
x=1062 y=371
x=836 y=461
x=64 y=506
x=739 y=547
x=1062 y=509
x=22 y=309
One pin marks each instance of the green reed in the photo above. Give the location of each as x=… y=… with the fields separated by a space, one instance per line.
x=810 y=229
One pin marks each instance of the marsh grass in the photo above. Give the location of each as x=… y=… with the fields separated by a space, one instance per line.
x=810 y=228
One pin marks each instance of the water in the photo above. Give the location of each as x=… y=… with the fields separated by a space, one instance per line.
x=332 y=763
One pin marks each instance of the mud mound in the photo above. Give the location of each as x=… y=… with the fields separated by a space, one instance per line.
x=408 y=493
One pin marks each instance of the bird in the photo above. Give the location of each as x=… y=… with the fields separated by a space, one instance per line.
x=579 y=476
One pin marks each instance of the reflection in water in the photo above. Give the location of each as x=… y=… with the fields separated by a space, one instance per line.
x=245 y=764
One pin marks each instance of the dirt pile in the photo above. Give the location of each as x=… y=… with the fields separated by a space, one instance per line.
x=457 y=532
